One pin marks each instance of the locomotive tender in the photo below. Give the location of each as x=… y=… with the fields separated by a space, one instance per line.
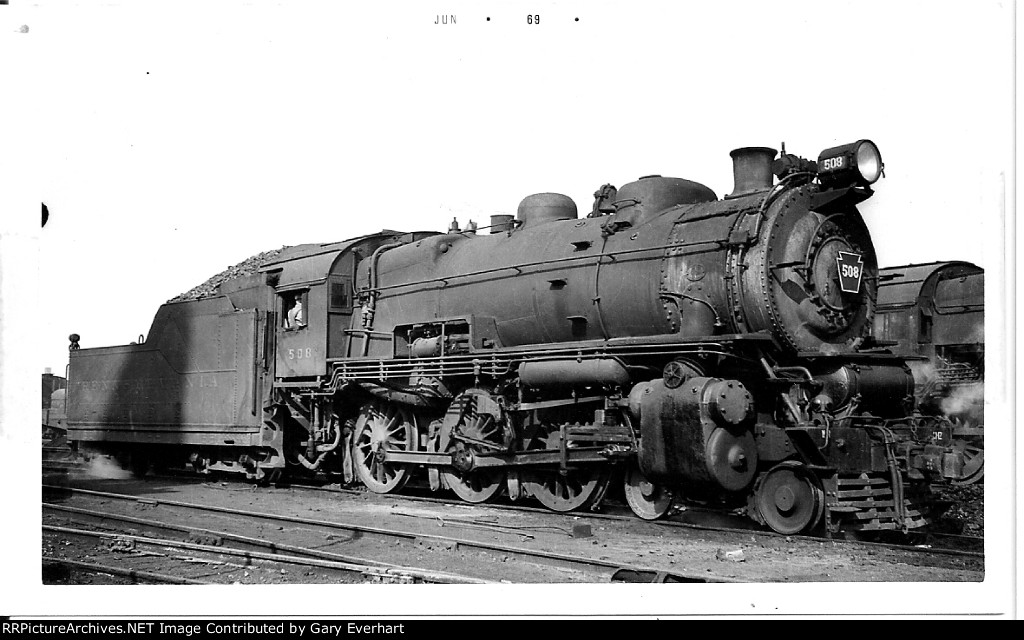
x=710 y=349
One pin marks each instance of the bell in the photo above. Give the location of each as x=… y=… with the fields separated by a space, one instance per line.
x=603 y=199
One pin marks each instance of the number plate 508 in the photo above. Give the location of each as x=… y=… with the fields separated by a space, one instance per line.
x=831 y=164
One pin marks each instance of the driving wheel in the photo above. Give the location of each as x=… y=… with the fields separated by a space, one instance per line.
x=564 y=490
x=382 y=427
x=474 y=424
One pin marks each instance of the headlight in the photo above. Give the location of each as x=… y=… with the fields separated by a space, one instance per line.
x=858 y=163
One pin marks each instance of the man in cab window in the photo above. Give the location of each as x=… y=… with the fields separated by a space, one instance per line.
x=295 y=319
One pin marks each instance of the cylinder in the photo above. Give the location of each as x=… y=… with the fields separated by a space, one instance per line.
x=698 y=433
x=752 y=169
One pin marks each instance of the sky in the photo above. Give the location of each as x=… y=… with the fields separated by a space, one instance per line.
x=171 y=140
x=175 y=146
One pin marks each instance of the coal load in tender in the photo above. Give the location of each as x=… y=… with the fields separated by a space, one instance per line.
x=247 y=267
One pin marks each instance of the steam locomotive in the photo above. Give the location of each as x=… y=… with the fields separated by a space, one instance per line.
x=933 y=314
x=716 y=350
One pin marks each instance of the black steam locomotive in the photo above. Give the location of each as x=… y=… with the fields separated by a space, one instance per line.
x=934 y=315
x=710 y=349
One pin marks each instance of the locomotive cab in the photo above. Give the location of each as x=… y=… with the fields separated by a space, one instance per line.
x=319 y=279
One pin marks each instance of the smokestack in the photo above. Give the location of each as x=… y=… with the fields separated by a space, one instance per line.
x=752 y=169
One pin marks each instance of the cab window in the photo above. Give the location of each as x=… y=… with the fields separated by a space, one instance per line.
x=295 y=310
x=341 y=295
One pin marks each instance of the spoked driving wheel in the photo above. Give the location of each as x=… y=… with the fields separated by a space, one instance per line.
x=648 y=500
x=474 y=424
x=564 y=490
x=382 y=427
x=789 y=499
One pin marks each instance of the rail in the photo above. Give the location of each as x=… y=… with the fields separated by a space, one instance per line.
x=535 y=555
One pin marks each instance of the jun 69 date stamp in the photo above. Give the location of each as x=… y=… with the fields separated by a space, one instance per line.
x=450 y=19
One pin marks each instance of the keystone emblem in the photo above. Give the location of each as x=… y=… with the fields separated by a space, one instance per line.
x=851 y=270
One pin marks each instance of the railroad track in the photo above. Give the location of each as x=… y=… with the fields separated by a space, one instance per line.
x=700 y=520
x=223 y=563
x=687 y=517
x=65 y=571
x=549 y=566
